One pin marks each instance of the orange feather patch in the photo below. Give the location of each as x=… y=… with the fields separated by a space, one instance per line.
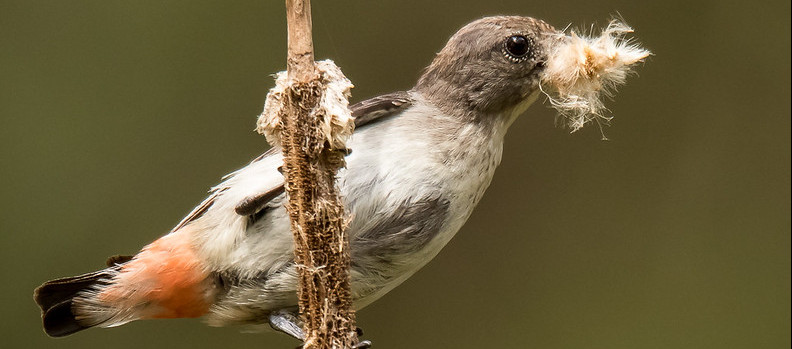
x=165 y=280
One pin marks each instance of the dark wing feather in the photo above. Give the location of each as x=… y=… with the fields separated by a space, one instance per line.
x=252 y=204
x=379 y=108
x=198 y=211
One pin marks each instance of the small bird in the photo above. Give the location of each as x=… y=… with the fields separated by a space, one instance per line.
x=421 y=161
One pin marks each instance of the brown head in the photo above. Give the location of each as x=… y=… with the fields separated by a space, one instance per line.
x=489 y=66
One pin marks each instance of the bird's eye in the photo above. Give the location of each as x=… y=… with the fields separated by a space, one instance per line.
x=518 y=46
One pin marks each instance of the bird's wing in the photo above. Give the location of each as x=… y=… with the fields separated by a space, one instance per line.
x=366 y=113
x=198 y=211
x=379 y=108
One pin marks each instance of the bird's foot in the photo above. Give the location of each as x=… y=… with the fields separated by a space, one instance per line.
x=289 y=323
x=363 y=345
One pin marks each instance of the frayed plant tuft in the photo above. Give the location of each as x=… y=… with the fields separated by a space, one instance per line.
x=581 y=70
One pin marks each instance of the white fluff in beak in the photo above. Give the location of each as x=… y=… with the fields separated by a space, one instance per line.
x=581 y=69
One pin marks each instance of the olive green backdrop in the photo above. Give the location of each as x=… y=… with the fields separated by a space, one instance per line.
x=117 y=116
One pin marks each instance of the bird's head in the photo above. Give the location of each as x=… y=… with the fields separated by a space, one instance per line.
x=498 y=65
x=489 y=65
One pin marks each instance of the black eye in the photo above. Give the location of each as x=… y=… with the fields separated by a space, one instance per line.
x=518 y=46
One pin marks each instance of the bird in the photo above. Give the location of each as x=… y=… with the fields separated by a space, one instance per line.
x=421 y=161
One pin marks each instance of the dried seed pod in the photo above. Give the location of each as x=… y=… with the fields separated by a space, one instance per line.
x=336 y=123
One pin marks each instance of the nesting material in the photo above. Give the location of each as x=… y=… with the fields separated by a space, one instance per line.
x=584 y=69
x=336 y=123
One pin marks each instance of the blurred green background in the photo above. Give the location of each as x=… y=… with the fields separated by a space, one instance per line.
x=117 y=116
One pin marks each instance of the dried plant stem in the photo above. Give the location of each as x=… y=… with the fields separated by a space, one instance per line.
x=315 y=209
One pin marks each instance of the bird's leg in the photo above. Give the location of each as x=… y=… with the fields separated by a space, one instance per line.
x=362 y=345
x=289 y=323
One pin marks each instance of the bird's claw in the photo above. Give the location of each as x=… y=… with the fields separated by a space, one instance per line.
x=360 y=345
x=363 y=345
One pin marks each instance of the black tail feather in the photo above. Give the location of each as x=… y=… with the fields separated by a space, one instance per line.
x=55 y=298
x=59 y=320
x=54 y=292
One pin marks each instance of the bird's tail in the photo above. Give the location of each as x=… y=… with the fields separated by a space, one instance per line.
x=57 y=299
x=165 y=280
